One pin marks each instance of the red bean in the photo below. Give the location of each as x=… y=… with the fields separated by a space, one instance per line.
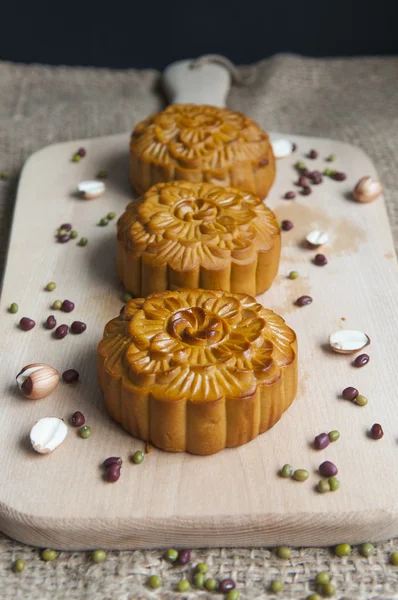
x=303 y=300
x=339 y=176
x=62 y=239
x=184 y=556
x=361 y=360
x=321 y=441
x=112 y=460
x=376 y=431
x=26 y=324
x=61 y=332
x=78 y=419
x=306 y=191
x=66 y=226
x=289 y=195
x=328 y=469
x=82 y=152
x=113 y=473
x=312 y=154
x=67 y=306
x=302 y=181
x=226 y=585
x=315 y=175
x=78 y=327
x=320 y=260
x=350 y=393
x=287 y=225
x=51 y=322
x=317 y=180
x=70 y=376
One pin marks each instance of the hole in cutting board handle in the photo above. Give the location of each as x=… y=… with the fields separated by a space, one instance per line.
x=204 y=84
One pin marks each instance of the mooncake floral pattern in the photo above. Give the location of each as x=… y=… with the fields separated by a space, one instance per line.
x=196 y=136
x=186 y=225
x=197 y=344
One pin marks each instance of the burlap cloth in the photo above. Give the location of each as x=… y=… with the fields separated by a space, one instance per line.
x=354 y=100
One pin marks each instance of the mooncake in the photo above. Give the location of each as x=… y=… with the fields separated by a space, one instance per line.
x=201 y=143
x=197 y=235
x=197 y=370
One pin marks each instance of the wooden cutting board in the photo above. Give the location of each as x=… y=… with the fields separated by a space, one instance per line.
x=234 y=497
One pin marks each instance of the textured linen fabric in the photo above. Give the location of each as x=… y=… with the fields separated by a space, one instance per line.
x=354 y=100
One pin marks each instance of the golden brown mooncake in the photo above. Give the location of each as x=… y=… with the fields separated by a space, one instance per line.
x=197 y=235
x=201 y=143
x=197 y=370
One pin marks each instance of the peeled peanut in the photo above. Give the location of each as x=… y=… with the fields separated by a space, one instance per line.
x=348 y=341
x=47 y=434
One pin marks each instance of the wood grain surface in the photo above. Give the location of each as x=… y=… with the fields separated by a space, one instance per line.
x=234 y=498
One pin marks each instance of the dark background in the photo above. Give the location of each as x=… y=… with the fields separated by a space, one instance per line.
x=153 y=34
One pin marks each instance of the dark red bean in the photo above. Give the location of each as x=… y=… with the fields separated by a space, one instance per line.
x=66 y=226
x=112 y=460
x=294 y=147
x=67 y=306
x=61 y=332
x=290 y=195
x=226 y=585
x=70 y=376
x=184 y=556
x=320 y=260
x=287 y=225
x=62 y=239
x=376 y=431
x=306 y=191
x=339 y=176
x=26 y=324
x=303 y=300
x=302 y=181
x=361 y=360
x=350 y=393
x=113 y=473
x=312 y=154
x=317 y=180
x=51 y=322
x=328 y=469
x=78 y=419
x=321 y=441
x=82 y=152
x=305 y=172
x=315 y=175
x=78 y=327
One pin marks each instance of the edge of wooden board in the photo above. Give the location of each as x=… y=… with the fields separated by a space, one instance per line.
x=273 y=530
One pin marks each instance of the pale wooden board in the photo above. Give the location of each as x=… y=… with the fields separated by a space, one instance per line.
x=234 y=497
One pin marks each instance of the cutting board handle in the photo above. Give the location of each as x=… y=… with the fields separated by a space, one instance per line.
x=208 y=83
